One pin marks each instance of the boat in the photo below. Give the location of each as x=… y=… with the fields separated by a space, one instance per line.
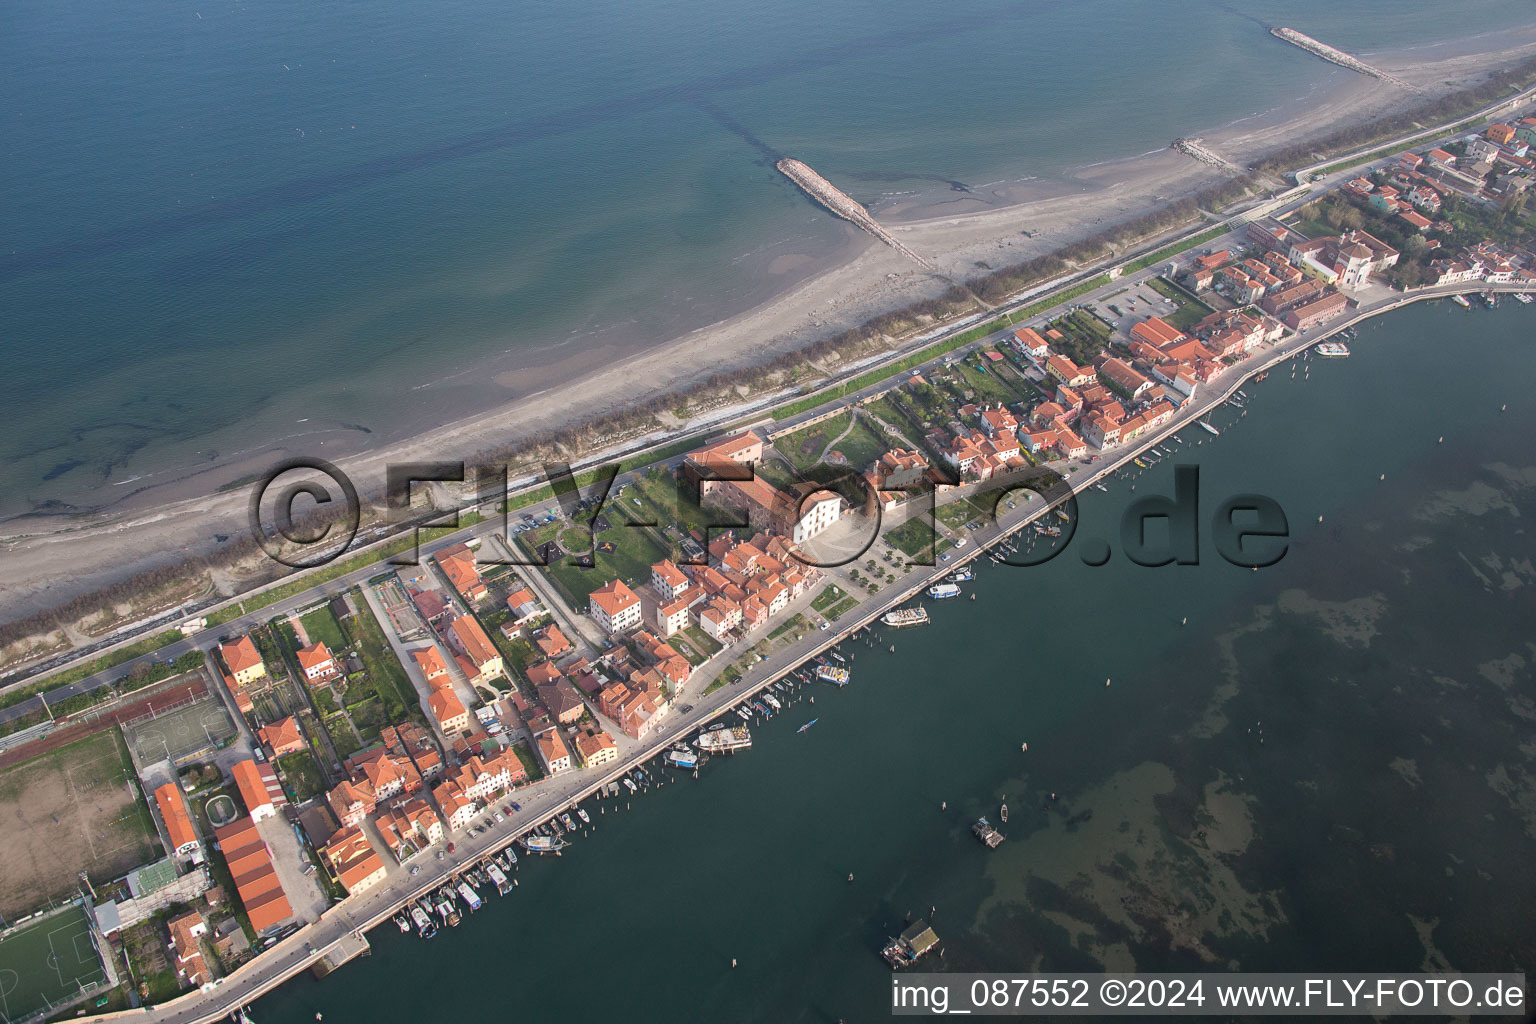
x=1332 y=349
x=470 y=897
x=499 y=880
x=1461 y=300
x=943 y=591
x=1523 y=298
x=1262 y=377
x=1140 y=463
x=1208 y=428
x=910 y=946
x=724 y=739
x=761 y=707
x=425 y=927
x=681 y=757
x=832 y=674
x=543 y=844
x=1102 y=488
x=962 y=575
x=446 y=908
x=807 y=725
x=773 y=701
x=899 y=618
x=402 y=922
x=581 y=812
x=987 y=833
x=629 y=784
x=1002 y=812
x=565 y=819
x=511 y=856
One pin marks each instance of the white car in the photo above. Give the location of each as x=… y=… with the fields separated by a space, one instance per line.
x=498 y=817
x=825 y=626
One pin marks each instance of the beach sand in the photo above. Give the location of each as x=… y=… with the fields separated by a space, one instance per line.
x=50 y=559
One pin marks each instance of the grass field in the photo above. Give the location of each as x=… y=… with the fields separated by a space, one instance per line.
x=322 y=628
x=68 y=811
x=47 y=963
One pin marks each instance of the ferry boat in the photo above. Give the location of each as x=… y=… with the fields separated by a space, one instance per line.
x=807 y=725
x=425 y=926
x=470 y=897
x=1208 y=428
x=1332 y=349
x=724 y=739
x=543 y=844
x=681 y=757
x=984 y=830
x=910 y=946
x=1461 y=300
x=499 y=880
x=962 y=575
x=832 y=674
x=943 y=591
x=901 y=617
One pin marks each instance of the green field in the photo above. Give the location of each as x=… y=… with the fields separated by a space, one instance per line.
x=46 y=963
x=322 y=628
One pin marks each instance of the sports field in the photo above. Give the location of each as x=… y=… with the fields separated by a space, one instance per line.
x=46 y=963
x=188 y=730
x=67 y=811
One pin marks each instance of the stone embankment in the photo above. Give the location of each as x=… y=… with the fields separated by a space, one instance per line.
x=834 y=199
x=1338 y=57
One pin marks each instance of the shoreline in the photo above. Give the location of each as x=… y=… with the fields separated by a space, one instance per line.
x=349 y=939
x=176 y=518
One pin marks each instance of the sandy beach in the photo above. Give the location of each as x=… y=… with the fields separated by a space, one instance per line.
x=176 y=514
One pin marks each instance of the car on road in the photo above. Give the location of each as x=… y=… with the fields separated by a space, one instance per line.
x=415 y=870
x=450 y=847
x=943 y=558
x=498 y=817
x=686 y=708
x=508 y=808
x=516 y=806
x=825 y=626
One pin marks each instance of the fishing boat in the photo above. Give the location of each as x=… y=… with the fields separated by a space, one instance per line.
x=470 y=897
x=499 y=880
x=943 y=591
x=833 y=674
x=682 y=757
x=902 y=617
x=1208 y=428
x=1332 y=349
x=1461 y=300
x=425 y=926
x=962 y=575
x=910 y=946
x=807 y=725
x=987 y=833
x=724 y=739
x=543 y=844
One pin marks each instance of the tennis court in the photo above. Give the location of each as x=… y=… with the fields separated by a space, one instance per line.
x=46 y=963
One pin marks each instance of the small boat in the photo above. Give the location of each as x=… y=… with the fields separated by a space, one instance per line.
x=1102 y=488
x=543 y=844
x=743 y=714
x=1208 y=428
x=807 y=725
x=511 y=857
x=962 y=575
x=1332 y=349
x=1461 y=300
x=910 y=946
x=772 y=701
x=1523 y=298
x=581 y=812
x=1002 y=812
x=943 y=591
x=763 y=708
x=425 y=926
x=499 y=880
x=402 y=922
x=682 y=757
x=629 y=784
x=565 y=819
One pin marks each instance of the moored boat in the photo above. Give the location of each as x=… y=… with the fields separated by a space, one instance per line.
x=987 y=833
x=499 y=880
x=902 y=617
x=943 y=591
x=543 y=844
x=724 y=739
x=682 y=757
x=1207 y=427
x=1332 y=349
x=910 y=946
x=832 y=674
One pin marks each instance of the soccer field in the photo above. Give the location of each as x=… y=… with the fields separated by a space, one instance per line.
x=46 y=963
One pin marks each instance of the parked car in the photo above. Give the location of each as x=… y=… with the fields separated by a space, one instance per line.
x=498 y=817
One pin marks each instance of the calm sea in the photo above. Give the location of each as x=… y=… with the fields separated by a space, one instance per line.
x=231 y=224
x=1329 y=767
